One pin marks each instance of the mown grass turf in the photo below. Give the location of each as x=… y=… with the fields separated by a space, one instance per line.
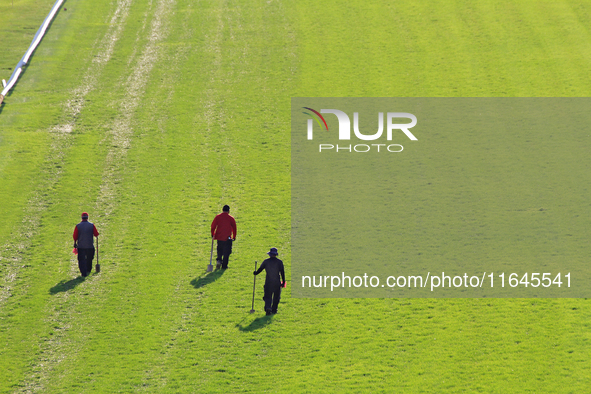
x=190 y=110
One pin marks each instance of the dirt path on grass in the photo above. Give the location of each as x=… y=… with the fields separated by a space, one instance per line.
x=14 y=249
x=62 y=140
x=118 y=138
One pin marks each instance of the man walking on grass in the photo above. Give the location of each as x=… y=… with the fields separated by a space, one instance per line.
x=223 y=229
x=84 y=242
x=273 y=283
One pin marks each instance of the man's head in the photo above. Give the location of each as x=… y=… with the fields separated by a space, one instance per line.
x=226 y=208
x=273 y=252
x=84 y=216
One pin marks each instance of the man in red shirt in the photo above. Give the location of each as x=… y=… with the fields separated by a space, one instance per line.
x=84 y=242
x=223 y=229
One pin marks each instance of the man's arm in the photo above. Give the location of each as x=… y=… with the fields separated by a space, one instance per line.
x=214 y=224
x=94 y=231
x=75 y=236
x=262 y=267
x=233 y=229
x=282 y=272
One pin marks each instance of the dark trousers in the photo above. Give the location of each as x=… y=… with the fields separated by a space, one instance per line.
x=224 y=252
x=272 y=296
x=85 y=257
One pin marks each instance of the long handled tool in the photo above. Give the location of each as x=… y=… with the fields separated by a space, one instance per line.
x=253 y=287
x=97 y=267
x=210 y=267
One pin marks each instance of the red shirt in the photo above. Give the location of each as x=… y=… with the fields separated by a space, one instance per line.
x=223 y=226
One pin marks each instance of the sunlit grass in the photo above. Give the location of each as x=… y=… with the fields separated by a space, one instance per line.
x=209 y=125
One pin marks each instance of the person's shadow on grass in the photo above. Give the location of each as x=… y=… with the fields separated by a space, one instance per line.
x=207 y=279
x=66 y=285
x=257 y=323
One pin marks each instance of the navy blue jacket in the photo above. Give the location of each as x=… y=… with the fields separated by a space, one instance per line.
x=274 y=268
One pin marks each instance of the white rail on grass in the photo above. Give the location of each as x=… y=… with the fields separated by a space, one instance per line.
x=19 y=67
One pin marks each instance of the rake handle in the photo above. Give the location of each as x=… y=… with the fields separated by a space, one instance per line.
x=254 y=285
x=211 y=254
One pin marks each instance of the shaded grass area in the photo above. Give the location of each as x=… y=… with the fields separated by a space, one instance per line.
x=66 y=285
x=207 y=279
x=212 y=127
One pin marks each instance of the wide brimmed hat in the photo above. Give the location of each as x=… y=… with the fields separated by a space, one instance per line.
x=273 y=252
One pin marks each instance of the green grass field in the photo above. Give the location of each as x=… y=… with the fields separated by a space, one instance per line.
x=150 y=115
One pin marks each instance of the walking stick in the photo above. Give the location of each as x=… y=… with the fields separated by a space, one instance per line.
x=97 y=268
x=210 y=267
x=253 y=287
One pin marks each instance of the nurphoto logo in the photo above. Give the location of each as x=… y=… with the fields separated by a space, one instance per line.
x=345 y=130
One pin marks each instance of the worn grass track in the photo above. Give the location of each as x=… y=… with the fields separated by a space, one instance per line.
x=151 y=115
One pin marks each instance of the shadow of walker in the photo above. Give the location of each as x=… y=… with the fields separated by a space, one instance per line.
x=66 y=285
x=257 y=323
x=207 y=279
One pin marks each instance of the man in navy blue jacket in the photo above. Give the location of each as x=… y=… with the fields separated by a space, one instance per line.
x=84 y=242
x=273 y=283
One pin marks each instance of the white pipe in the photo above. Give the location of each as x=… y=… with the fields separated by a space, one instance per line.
x=40 y=33
x=12 y=81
